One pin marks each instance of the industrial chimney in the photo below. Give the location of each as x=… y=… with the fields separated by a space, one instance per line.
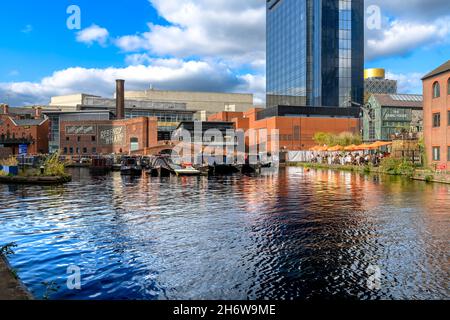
x=4 y=108
x=120 y=99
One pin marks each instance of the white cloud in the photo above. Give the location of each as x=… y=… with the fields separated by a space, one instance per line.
x=93 y=34
x=413 y=10
x=407 y=26
x=407 y=82
x=403 y=37
x=167 y=74
x=231 y=30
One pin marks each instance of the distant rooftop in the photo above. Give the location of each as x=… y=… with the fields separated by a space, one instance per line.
x=441 y=69
x=400 y=100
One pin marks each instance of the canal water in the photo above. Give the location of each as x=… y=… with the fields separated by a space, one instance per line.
x=287 y=235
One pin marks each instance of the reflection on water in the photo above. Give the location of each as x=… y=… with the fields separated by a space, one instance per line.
x=290 y=235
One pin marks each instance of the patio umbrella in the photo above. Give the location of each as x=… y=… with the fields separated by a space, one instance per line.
x=380 y=144
x=350 y=148
x=367 y=147
x=336 y=148
x=324 y=148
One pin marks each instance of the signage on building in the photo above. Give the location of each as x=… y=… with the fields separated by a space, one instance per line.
x=23 y=149
x=395 y=114
x=80 y=130
x=112 y=135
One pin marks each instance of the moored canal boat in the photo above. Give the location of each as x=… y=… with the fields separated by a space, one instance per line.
x=101 y=165
x=130 y=167
x=186 y=170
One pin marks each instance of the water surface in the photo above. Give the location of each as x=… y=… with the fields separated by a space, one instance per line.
x=287 y=235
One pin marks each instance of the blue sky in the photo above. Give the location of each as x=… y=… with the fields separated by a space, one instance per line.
x=211 y=45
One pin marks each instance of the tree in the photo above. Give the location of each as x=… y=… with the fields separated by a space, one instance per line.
x=343 y=139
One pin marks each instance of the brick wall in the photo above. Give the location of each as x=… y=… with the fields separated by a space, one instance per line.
x=437 y=137
x=106 y=137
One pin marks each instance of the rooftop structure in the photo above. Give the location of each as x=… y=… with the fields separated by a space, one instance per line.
x=203 y=104
x=375 y=82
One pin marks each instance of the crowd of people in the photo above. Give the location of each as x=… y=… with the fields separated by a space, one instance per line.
x=349 y=158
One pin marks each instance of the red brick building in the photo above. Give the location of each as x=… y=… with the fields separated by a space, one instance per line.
x=17 y=130
x=436 y=95
x=295 y=132
x=108 y=136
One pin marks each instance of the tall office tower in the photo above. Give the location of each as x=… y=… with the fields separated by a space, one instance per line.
x=315 y=52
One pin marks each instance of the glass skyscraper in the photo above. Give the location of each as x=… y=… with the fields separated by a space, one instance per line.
x=315 y=52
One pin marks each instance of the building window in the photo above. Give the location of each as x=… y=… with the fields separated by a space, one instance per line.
x=71 y=150
x=436 y=90
x=436 y=120
x=84 y=150
x=134 y=144
x=436 y=154
x=65 y=150
x=78 y=139
x=94 y=150
x=93 y=138
x=296 y=133
x=67 y=138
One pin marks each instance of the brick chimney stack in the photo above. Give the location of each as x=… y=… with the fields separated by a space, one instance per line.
x=37 y=113
x=4 y=108
x=120 y=99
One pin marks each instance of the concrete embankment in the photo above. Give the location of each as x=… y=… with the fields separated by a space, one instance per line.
x=10 y=286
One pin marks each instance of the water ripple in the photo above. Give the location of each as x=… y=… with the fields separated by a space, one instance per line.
x=292 y=235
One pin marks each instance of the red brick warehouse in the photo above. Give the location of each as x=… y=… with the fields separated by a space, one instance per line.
x=108 y=136
x=16 y=131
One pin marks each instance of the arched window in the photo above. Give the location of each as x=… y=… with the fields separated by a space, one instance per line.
x=436 y=90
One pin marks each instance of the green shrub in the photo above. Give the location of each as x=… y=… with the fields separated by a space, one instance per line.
x=397 y=167
x=367 y=169
x=343 y=139
x=429 y=178
x=53 y=167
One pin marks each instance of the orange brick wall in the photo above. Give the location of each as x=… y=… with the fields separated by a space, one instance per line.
x=437 y=137
x=225 y=116
x=307 y=127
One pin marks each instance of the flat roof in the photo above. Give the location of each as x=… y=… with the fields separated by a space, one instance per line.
x=400 y=100
x=303 y=111
x=209 y=123
x=87 y=107
x=75 y=111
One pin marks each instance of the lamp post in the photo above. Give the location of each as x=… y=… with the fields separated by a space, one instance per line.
x=364 y=108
